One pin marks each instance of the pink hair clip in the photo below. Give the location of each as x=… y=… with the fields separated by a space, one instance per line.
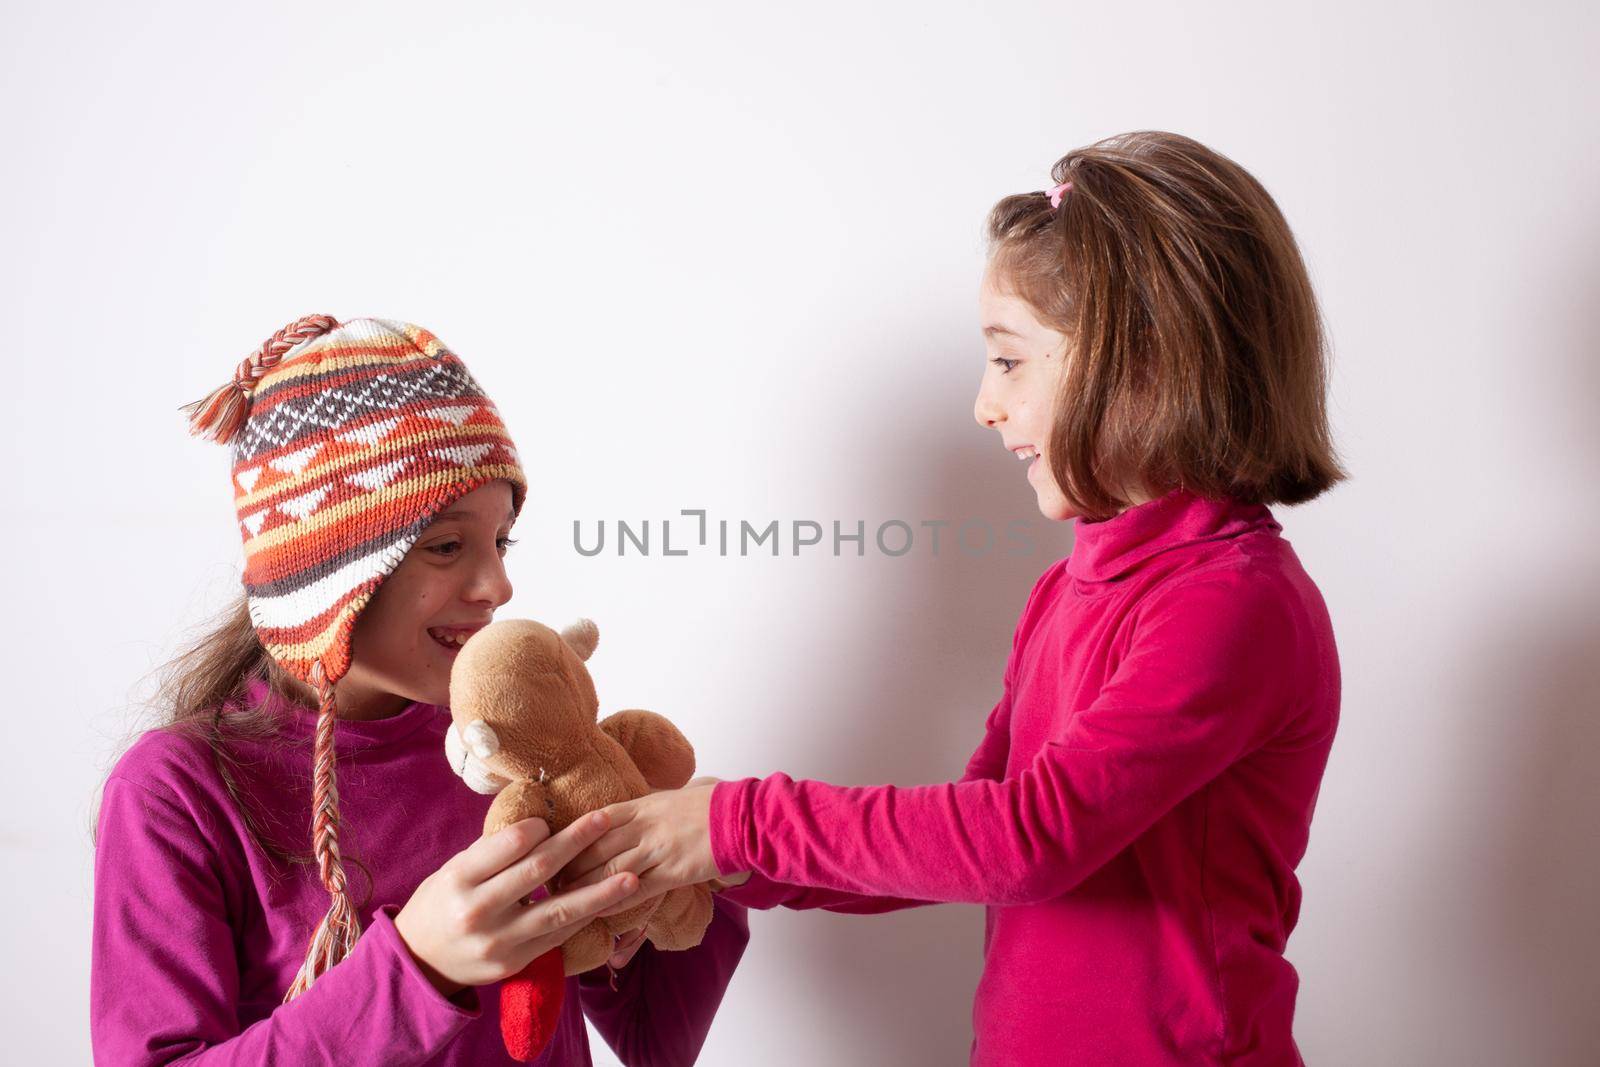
x=1055 y=194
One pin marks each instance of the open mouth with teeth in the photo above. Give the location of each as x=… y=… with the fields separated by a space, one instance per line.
x=450 y=638
x=1029 y=455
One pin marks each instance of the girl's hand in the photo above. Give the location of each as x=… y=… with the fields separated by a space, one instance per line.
x=664 y=838
x=625 y=947
x=467 y=923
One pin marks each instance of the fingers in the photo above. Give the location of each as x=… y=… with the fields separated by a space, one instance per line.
x=629 y=903
x=626 y=946
x=652 y=883
x=490 y=855
x=634 y=859
x=595 y=862
x=526 y=873
x=565 y=912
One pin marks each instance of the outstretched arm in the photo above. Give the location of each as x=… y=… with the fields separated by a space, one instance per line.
x=761 y=892
x=1216 y=668
x=615 y=853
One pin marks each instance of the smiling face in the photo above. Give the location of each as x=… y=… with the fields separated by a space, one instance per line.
x=1017 y=396
x=448 y=586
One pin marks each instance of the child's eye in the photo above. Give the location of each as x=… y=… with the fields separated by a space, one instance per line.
x=1004 y=364
x=450 y=548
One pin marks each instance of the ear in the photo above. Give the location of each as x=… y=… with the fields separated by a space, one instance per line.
x=582 y=636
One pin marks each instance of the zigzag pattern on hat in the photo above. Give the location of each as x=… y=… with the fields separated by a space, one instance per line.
x=351 y=446
x=289 y=411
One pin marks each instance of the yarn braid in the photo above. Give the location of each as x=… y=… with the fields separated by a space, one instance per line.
x=219 y=415
x=335 y=936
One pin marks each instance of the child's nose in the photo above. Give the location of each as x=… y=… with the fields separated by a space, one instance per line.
x=490 y=584
x=986 y=411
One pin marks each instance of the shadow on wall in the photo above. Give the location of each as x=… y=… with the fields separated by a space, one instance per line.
x=1545 y=878
x=897 y=989
x=1541 y=673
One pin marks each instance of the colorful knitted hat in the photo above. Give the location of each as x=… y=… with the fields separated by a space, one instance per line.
x=346 y=441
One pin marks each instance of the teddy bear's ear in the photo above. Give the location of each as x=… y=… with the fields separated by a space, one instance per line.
x=583 y=636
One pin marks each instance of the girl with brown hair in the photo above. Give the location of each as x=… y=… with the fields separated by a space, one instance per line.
x=1144 y=787
x=375 y=487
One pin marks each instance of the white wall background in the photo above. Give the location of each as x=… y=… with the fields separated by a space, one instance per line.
x=725 y=256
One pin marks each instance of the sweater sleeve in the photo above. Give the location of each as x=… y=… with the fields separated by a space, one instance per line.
x=1208 y=677
x=661 y=1011
x=164 y=980
x=761 y=892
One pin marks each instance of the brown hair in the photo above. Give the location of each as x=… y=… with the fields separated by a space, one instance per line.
x=201 y=681
x=1197 y=356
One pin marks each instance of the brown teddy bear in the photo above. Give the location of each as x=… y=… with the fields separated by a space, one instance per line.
x=523 y=711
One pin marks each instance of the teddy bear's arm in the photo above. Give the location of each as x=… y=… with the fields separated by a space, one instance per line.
x=662 y=754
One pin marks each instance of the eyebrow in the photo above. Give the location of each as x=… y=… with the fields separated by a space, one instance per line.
x=459 y=513
x=989 y=331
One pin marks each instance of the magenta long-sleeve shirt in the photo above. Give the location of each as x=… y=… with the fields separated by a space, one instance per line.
x=1133 y=816
x=198 y=933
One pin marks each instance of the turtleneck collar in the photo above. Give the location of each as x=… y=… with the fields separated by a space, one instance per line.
x=349 y=735
x=1105 y=550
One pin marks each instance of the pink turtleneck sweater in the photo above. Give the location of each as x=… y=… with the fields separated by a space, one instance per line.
x=198 y=932
x=1133 y=815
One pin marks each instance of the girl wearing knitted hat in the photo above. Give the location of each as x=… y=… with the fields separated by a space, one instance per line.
x=1144 y=786
x=375 y=487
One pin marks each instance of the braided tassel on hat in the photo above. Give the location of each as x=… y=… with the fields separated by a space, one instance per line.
x=346 y=440
x=217 y=418
x=219 y=415
x=335 y=936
